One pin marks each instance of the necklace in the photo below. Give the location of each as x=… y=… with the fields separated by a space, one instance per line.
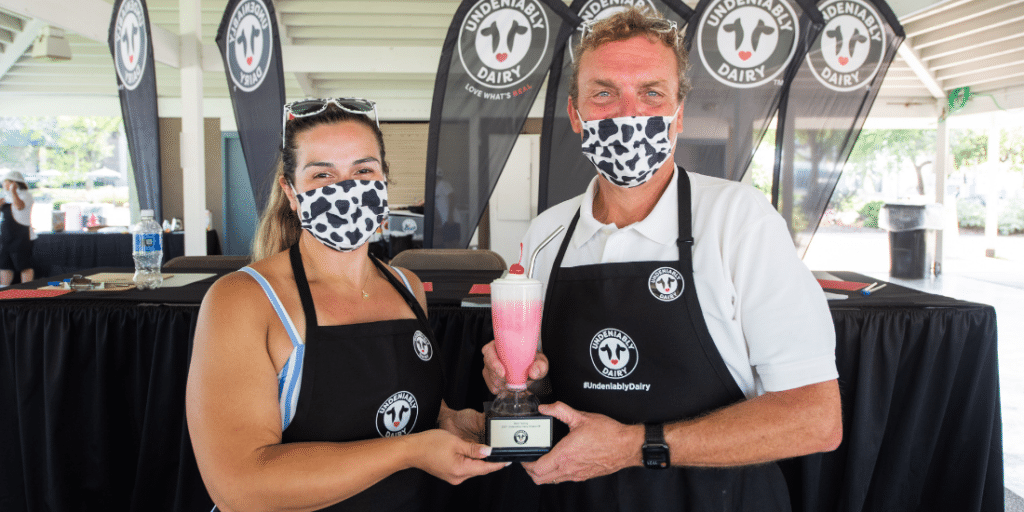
x=363 y=291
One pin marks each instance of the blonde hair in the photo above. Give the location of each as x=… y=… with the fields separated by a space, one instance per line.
x=279 y=227
x=625 y=25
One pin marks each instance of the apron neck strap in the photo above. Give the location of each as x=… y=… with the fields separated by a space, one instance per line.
x=685 y=240
x=410 y=299
x=299 y=271
x=685 y=234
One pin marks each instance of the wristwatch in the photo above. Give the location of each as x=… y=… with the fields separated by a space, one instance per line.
x=655 y=449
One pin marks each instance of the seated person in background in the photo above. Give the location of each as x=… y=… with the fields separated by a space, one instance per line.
x=315 y=382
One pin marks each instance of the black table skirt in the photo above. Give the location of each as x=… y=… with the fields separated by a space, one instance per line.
x=62 y=253
x=93 y=399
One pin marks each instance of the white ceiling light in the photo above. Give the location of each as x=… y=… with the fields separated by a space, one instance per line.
x=50 y=44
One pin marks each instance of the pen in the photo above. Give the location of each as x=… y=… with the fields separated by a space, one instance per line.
x=873 y=288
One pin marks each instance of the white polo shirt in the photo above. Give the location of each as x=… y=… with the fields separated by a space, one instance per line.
x=765 y=311
x=24 y=215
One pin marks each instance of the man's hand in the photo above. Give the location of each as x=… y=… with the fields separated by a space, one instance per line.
x=596 y=446
x=465 y=423
x=494 y=372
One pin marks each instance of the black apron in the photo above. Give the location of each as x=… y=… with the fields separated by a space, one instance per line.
x=629 y=340
x=369 y=380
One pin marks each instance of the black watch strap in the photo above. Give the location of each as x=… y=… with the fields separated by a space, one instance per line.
x=655 y=449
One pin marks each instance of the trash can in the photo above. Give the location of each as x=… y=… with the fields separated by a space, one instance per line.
x=911 y=237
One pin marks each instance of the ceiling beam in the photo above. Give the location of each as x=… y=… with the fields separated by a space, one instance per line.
x=910 y=56
x=402 y=60
x=91 y=19
x=21 y=43
x=361 y=59
x=303 y=78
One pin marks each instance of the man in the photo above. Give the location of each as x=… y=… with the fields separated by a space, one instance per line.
x=702 y=344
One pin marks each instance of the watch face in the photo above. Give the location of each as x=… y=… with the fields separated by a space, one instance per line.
x=656 y=456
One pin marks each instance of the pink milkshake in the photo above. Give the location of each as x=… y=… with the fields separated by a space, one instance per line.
x=516 y=305
x=516 y=331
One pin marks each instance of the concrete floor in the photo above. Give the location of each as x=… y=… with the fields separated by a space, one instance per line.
x=967 y=274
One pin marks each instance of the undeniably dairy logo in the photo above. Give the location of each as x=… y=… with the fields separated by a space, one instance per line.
x=666 y=284
x=502 y=42
x=521 y=437
x=131 y=48
x=851 y=45
x=747 y=43
x=596 y=10
x=613 y=353
x=420 y=343
x=397 y=415
x=249 y=44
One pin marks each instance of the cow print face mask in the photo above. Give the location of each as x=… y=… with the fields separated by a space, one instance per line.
x=344 y=215
x=627 y=151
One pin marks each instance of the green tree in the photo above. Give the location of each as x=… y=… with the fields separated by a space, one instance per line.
x=969 y=147
x=83 y=142
x=879 y=152
x=1011 y=148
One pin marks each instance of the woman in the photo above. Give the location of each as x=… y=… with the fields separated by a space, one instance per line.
x=16 y=233
x=313 y=382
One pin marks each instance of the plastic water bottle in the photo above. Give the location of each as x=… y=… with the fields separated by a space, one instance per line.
x=147 y=249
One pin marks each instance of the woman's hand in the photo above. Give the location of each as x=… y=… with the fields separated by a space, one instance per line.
x=494 y=371
x=450 y=458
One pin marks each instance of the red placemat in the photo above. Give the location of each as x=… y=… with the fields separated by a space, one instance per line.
x=850 y=286
x=31 y=294
x=483 y=289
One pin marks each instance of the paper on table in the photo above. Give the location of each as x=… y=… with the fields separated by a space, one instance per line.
x=170 y=280
x=821 y=274
x=850 y=286
x=183 y=279
x=833 y=282
x=835 y=296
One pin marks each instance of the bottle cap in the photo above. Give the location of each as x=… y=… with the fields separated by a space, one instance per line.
x=146 y=213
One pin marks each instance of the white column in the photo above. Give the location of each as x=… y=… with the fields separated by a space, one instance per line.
x=193 y=156
x=941 y=158
x=992 y=194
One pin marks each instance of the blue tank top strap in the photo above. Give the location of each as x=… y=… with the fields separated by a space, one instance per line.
x=293 y=333
x=289 y=381
x=404 y=279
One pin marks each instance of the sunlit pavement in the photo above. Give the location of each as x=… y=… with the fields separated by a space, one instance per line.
x=967 y=274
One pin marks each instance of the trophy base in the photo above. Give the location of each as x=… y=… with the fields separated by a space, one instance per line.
x=518 y=438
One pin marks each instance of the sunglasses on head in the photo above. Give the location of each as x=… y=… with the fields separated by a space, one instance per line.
x=660 y=25
x=312 y=107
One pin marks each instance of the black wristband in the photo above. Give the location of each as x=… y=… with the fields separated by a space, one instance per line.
x=655 y=449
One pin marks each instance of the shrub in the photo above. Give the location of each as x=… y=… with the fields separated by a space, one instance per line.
x=869 y=213
x=970 y=213
x=1011 y=217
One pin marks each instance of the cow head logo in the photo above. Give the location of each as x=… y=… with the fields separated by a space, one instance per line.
x=520 y=437
x=421 y=345
x=747 y=44
x=666 y=284
x=502 y=43
x=850 y=46
x=397 y=415
x=131 y=44
x=613 y=353
x=249 y=43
